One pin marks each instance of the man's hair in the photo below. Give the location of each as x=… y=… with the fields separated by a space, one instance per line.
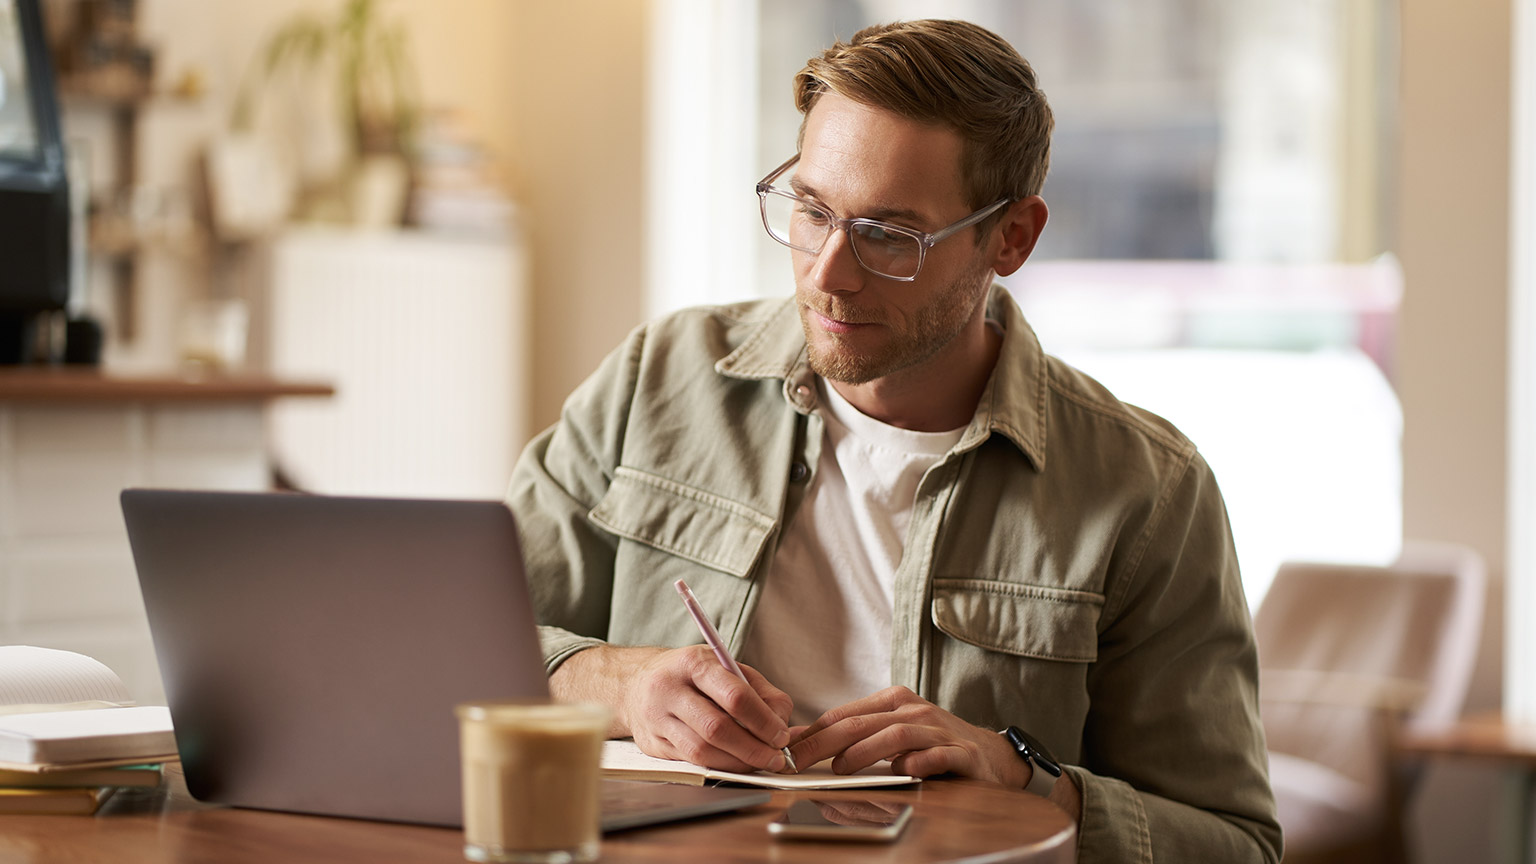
x=953 y=73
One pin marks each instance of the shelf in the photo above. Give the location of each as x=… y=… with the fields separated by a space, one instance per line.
x=85 y=385
x=123 y=96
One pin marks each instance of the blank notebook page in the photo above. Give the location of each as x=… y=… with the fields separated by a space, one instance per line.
x=34 y=678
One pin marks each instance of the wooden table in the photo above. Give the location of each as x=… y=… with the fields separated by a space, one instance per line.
x=952 y=821
x=1513 y=745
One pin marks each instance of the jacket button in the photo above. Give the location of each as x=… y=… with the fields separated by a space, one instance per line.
x=798 y=472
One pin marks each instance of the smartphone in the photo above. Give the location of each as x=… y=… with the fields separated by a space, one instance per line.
x=865 y=821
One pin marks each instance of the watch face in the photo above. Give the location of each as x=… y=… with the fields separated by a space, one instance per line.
x=1032 y=750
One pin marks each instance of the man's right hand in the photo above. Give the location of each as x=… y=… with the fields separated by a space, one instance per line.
x=681 y=703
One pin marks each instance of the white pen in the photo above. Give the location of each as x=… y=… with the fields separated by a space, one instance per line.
x=717 y=645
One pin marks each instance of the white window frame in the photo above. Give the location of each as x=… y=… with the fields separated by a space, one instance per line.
x=701 y=143
x=1520 y=580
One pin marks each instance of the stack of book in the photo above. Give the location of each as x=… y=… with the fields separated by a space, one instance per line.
x=70 y=790
x=69 y=734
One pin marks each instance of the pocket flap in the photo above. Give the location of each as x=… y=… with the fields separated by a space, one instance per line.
x=1024 y=620
x=683 y=521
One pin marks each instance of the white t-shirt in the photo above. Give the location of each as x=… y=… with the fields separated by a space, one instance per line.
x=822 y=631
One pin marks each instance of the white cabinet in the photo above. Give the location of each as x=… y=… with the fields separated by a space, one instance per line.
x=424 y=337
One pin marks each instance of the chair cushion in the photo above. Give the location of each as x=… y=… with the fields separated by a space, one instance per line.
x=1319 y=808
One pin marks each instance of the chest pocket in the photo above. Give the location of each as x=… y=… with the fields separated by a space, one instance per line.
x=1022 y=620
x=684 y=521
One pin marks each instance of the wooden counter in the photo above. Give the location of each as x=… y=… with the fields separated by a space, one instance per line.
x=66 y=384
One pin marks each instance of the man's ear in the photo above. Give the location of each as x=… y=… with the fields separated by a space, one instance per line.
x=1020 y=229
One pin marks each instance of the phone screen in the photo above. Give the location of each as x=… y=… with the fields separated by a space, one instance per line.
x=812 y=819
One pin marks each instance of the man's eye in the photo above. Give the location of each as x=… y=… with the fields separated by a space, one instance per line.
x=887 y=240
x=813 y=214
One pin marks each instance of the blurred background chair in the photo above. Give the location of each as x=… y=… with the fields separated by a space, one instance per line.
x=1349 y=657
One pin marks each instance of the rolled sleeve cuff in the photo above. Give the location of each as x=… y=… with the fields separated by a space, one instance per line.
x=558 y=645
x=1114 y=827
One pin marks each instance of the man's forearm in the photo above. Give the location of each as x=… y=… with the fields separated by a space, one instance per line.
x=602 y=674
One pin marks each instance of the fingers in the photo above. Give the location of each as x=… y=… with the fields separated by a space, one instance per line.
x=914 y=746
x=918 y=737
x=834 y=732
x=889 y=699
x=687 y=706
x=744 y=703
x=777 y=700
x=682 y=742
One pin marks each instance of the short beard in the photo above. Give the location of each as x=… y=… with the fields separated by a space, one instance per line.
x=933 y=328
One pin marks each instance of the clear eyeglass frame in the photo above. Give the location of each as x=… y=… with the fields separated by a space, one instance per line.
x=862 y=231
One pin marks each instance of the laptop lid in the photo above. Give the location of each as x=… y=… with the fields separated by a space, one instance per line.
x=312 y=648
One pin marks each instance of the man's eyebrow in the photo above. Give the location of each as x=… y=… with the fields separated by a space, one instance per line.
x=898 y=215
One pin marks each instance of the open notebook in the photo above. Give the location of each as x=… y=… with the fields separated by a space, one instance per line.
x=64 y=711
x=624 y=760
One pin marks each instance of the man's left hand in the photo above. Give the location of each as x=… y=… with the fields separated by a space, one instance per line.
x=920 y=739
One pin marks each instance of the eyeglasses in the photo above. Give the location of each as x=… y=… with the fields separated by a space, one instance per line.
x=887 y=250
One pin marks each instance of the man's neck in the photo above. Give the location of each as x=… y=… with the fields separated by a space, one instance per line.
x=936 y=395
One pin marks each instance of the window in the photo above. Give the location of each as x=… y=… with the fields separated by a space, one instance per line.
x=1215 y=249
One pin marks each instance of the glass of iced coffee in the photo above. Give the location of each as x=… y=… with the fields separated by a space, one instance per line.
x=531 y=773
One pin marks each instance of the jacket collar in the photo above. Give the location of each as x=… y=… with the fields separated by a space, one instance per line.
x=1013 y=404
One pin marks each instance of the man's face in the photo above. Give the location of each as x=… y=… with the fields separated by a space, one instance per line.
x=856 y=160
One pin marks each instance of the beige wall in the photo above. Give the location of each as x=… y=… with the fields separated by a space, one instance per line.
x=578 y=97
x=1453 y=237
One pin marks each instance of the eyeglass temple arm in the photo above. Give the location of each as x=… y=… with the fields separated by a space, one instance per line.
x=967 y=221
x=774 y=174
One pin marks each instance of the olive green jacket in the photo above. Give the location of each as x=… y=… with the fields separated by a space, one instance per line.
x=1069 y=568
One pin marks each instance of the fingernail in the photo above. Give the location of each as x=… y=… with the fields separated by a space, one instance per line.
x=777 y=763
x=781 y=740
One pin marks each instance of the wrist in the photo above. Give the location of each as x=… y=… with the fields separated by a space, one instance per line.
x=605 y=674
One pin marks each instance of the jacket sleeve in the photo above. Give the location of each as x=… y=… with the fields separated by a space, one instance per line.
x=558 y=479
x=1174 y=761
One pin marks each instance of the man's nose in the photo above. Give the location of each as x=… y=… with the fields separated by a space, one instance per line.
x=836 y=269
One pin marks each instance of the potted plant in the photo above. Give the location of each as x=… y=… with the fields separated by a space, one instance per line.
x=373 y=90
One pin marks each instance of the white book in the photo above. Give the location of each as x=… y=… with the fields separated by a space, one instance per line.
x=624 y=760
x=59 y=709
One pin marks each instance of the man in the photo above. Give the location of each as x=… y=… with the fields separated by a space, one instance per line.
x=912 y=527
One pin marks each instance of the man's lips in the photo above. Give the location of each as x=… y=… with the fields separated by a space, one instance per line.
x=836 y=325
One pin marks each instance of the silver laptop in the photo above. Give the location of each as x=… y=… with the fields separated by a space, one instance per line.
x=312 y=649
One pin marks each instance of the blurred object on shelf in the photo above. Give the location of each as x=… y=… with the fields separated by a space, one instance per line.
x=97 y=51
x=250 y=194
x=457 y=190
x=380 y=184
x=192 y=84
x=213 y=335
x=144 y=217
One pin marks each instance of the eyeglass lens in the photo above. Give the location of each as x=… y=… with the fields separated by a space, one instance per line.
x=801 y=225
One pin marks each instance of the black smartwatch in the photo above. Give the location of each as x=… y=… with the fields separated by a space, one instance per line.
x=1043 y=778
